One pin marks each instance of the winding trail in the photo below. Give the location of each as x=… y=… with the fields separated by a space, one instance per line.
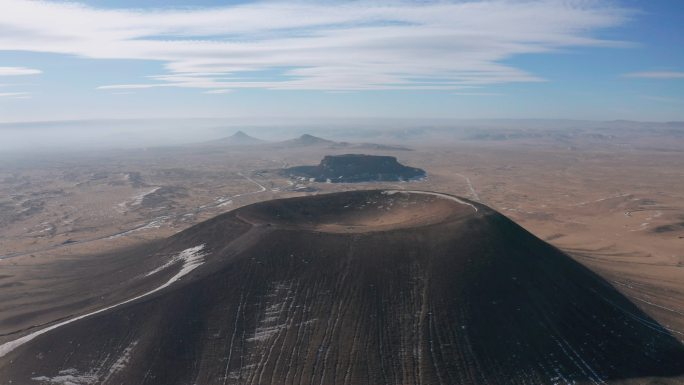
x=473 y=193
x=443 y=196
x=261 y=187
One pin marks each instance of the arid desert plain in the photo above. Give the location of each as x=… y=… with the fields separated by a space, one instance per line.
x=68 y=221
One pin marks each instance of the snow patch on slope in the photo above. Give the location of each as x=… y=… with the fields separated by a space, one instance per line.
x=189 y=256
x=121 y=362
x=68 y=377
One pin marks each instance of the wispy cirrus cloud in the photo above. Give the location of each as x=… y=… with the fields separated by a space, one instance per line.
x=477 y=94
x=18 y=71
x=656 y=75
x=299 y=45
x=15 y=95
x=218 y=91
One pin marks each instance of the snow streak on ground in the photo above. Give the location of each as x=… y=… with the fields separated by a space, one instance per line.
x=191 y=258
x=440 y=195
x=137 y=199
x=121 y=362
x=269 y=325
x=68 y=377
x=188 y=256
x=154 y=224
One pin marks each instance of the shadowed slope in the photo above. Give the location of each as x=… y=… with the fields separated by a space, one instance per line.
x=365 y=287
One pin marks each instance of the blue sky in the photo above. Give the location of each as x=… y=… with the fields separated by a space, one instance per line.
x=576 y=59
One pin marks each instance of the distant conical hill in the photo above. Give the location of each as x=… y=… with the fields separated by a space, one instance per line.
x=363 y=287
x=239 y=139
x=305 y=140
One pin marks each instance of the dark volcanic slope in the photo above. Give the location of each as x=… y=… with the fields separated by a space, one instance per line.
x=356 y=168
x=364 y=287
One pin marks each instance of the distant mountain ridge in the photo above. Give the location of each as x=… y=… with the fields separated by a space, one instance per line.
x=307 y=140
x=240 y=138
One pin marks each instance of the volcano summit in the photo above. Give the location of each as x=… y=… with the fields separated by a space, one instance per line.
x=363 y=287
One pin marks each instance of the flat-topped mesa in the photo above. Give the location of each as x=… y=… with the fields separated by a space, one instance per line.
x=357 y=168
